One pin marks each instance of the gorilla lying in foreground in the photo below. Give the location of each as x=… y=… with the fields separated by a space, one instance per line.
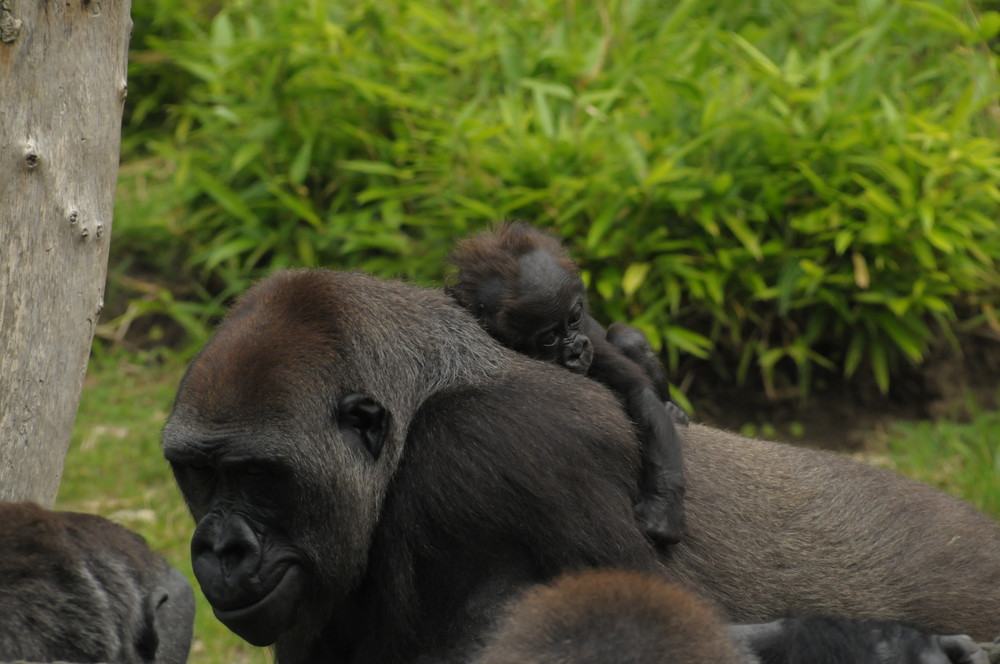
x=373 y=477
x=608 y=616
x=79 y=588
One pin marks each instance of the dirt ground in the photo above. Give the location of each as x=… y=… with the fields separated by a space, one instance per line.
x=843 y=415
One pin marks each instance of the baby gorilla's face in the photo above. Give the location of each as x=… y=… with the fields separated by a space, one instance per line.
x=545 y=313
x=561 y=340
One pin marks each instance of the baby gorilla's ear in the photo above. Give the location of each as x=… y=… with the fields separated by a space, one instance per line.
x=491 y=295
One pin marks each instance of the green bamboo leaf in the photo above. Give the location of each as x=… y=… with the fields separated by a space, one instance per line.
x=906 y=339
x=722 y=182
x=634 y=156
x=244 y=155
x=940 y=240
x=544 y=113
x=635 y=275
x=607 y=284
x=302 y=208
x=962 y=108
x=600 y=227
x=306 y=252
x=756 y=56
x=747 y=238
x=216 y=255
x=771 y=357
x=855 y=352
x=943 y=18
x=227 y=199
x=842 y=241
x=877 y=196
x=477 y=207
x=684 y=194
x=899 y=306
x=425 y=47
x=938 y=305
x=548 y=88
x=663 y=171
x=989 y=28
x=374 y=168
x=688 y=341
x=787 y=282
x=870 y=297
x=378 y=91
x=891 y=174
x=222 y=34
x=925 y=212
x=678 y=16
x=300 y=165
x=880 y=366
x=924 y=254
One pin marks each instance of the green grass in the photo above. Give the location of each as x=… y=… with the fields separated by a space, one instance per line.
x=115 y=468
x=960 y=458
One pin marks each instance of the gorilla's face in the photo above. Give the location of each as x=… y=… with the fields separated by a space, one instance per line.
x=282 y=466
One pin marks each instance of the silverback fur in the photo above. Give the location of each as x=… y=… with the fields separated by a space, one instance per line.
x=775 y=527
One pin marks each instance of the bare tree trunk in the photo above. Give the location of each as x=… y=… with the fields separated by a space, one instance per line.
x=62 y=88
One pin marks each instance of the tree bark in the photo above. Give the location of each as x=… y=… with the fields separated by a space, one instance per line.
x=63 y=67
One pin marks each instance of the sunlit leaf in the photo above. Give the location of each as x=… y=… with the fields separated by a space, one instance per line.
x=633 y=278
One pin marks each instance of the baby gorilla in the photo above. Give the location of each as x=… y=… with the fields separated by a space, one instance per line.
x=527 y=293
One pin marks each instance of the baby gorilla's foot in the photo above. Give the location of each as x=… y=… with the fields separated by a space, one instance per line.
x=632 y=343
x=661 y=518
x=677 y=414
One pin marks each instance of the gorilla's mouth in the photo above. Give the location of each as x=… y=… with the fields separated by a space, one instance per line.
x=582 y=363
x=263 y=621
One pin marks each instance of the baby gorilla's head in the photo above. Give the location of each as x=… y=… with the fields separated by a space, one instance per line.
x=526 y=292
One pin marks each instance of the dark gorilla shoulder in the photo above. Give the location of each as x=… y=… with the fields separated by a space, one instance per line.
x=79 y=588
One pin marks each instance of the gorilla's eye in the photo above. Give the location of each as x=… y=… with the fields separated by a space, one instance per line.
x=549 y=339
x=198 y=470
x=198 y=477
x=576 y=316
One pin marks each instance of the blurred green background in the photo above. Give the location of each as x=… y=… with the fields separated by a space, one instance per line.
x=769 y=188
x=785 y=196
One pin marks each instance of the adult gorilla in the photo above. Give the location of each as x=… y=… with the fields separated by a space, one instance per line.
x=373 y=477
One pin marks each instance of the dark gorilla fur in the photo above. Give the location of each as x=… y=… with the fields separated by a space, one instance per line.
x=373 y=477
x=615 y=616
x=829 y=640
x=524 y=290
x=79 y=588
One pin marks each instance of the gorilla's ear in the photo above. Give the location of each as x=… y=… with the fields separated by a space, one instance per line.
x=170 y=610
x=363 y=421
x=147 y=640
